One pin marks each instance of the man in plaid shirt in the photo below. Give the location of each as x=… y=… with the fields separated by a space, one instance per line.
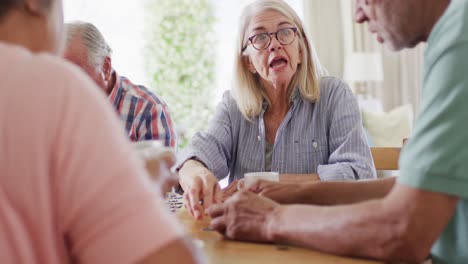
x=145 y=116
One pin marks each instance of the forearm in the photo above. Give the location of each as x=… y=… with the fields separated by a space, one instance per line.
x=299 y=178
x=349 y=154
x=342 y=192
x=187 y=170
x=361 y=230
x=209 y=151
x=393 y=229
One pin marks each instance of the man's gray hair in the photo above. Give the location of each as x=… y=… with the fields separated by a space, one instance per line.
x=93 y=40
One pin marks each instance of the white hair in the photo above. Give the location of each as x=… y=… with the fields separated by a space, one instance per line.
x=93 y=40
x=247 y=89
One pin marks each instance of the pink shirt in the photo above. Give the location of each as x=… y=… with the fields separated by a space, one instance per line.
x=70 y=188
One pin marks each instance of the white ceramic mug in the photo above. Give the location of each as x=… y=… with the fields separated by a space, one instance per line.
x=251 y=177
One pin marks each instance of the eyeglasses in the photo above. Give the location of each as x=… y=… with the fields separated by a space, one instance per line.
x=261 y=41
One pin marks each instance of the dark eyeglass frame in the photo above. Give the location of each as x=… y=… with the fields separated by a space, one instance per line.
x=270 y=34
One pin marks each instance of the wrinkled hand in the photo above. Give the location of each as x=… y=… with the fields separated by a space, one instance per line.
x=201 y=188
x=245 y=216
x=283 y=193
x=230 y=190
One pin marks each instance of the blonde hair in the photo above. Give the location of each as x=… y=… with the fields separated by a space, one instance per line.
x=93 y=40
x=247 y=90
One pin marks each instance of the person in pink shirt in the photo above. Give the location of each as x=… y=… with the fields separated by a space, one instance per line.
x=71 y=190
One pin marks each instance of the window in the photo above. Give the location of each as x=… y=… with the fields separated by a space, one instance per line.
x=122 y=24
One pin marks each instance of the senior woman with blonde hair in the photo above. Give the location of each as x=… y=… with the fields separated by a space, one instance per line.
x=282 y=115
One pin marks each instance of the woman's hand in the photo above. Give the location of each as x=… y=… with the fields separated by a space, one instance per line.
x=201 y=188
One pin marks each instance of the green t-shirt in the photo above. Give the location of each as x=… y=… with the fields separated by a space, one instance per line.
x=436 y=156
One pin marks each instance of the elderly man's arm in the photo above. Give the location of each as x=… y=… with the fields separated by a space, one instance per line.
x=393 y=228
x=325 y=193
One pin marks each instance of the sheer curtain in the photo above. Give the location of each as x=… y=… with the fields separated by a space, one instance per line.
x=334 y=34
x=324 y=25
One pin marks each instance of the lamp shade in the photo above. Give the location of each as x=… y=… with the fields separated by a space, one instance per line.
x=361 y=66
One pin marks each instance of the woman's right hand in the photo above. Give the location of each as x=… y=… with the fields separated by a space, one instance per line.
x=201 y=188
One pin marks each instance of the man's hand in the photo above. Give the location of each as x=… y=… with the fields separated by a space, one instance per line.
x=283 y=193
x=230 y=190
x=245 y=216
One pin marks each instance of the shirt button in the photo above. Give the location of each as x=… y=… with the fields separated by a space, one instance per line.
x=315 y=144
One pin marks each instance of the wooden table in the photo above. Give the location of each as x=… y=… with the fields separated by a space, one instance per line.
x=221 y=251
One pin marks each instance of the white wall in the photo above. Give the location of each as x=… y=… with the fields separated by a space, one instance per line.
x=122 y=23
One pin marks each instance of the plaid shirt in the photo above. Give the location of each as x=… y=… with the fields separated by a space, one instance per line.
x=146 y=117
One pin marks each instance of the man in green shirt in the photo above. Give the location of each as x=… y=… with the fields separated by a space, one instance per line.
x=423 y=212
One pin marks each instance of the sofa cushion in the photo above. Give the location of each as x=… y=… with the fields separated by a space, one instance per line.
x=388 y=129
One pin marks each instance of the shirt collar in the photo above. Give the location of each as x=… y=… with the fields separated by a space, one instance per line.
x=115 y=89
x=295 y=96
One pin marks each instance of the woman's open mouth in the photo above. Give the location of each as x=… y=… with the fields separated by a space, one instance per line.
x=278 y=63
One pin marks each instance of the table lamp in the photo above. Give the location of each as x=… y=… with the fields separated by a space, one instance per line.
x=362 y=68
